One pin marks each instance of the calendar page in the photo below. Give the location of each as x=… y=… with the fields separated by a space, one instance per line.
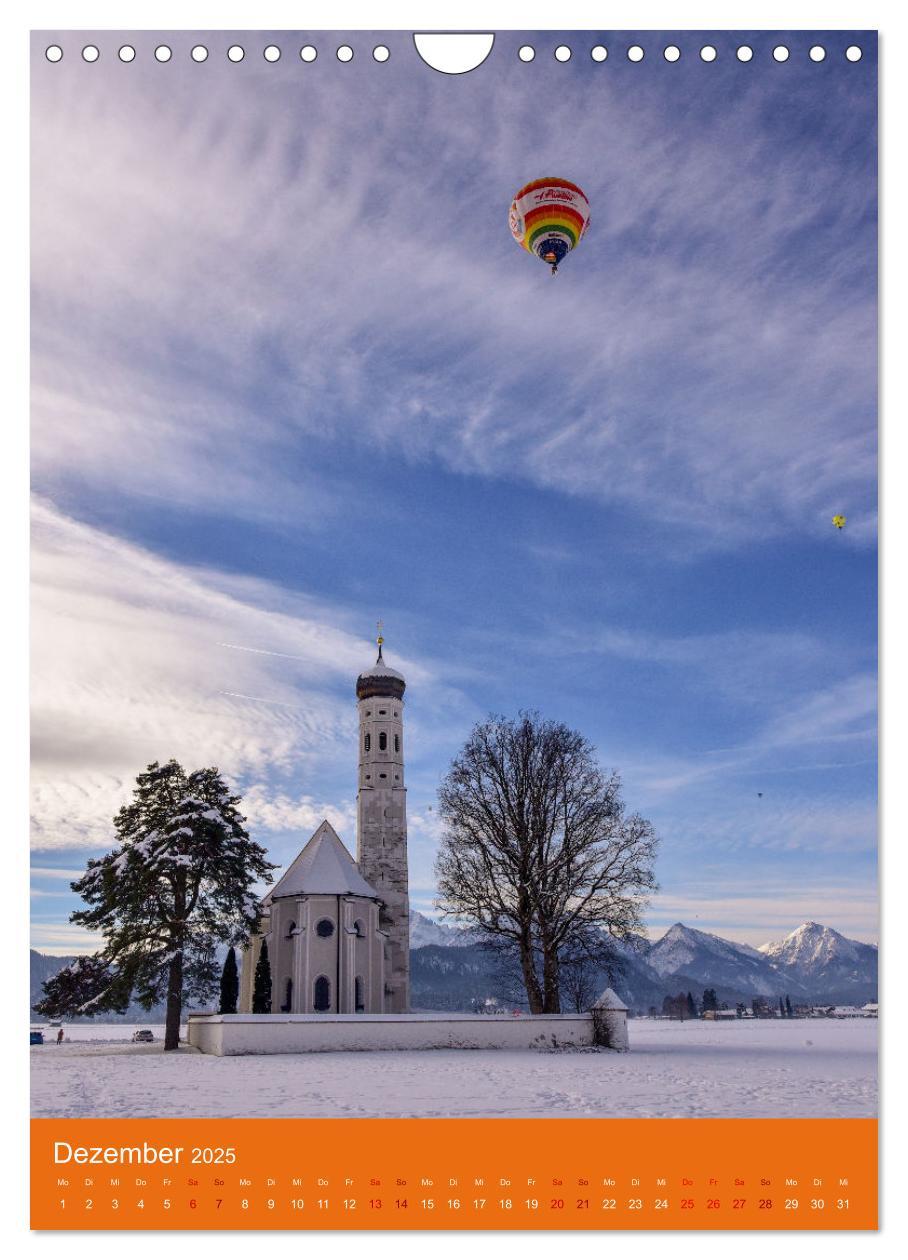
x=453 y=630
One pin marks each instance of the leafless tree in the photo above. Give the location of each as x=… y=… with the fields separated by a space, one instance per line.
x=537 y=848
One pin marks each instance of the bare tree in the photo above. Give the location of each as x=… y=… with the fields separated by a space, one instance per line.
x=537 y=848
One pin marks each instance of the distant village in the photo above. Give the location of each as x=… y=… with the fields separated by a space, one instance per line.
x=685 y=1006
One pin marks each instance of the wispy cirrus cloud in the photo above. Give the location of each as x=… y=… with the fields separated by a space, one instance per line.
x=191 y=334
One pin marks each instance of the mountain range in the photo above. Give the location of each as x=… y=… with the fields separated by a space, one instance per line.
x=451 y=971
x=812 y=964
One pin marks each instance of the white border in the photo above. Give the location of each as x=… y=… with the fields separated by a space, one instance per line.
x=489 y=15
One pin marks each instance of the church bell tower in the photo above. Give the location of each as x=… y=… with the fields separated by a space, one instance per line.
x=381 y=817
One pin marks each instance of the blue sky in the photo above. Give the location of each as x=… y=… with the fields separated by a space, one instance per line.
x=291 y=374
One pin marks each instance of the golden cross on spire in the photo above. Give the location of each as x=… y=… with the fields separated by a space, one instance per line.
x=381 y=638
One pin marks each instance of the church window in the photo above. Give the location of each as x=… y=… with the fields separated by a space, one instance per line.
x=368 y=742
x=397 y=743
x=368 y=712
x=397 y=776
x=383 y=742
x=382 y=712
x=368 y=776
x=288 y=997
x=324 y=928
x=360 y=994
x=291 y=929
x=321 y=995
x=359 y=929
x=383 y=776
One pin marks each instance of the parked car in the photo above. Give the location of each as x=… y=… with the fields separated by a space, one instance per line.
x=35 y=1037
x=143 y=1034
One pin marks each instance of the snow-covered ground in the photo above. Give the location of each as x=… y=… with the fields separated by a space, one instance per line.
x=742 y=1068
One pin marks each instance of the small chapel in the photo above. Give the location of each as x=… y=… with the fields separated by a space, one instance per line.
x=337 y=929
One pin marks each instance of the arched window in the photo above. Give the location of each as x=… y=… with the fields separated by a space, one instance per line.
x=397 y=743
x=324 y=928
x=360 y=994
x=288 y=997
x=291 y=929
x=383 y=742
x=368 y=742
x=322 y=994
x=359 y=928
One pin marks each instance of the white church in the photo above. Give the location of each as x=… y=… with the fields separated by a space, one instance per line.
x=338 y=930
x=338 y=934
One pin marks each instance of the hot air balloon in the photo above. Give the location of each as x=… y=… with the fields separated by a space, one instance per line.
x=548 y=217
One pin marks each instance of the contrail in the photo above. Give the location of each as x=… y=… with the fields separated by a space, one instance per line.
x=262 y=652
x=238 y=695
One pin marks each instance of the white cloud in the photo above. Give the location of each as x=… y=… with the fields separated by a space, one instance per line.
x=194 y=321
x=129 y=667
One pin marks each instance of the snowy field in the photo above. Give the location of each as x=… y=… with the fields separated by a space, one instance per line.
x=746 y=1068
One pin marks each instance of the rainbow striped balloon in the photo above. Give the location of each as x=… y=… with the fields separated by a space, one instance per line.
x=548 y=217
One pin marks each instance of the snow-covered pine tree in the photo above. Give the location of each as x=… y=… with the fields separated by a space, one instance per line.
x=261 y=987
x=230 y=985
x=177 y=885
x=781 y=1008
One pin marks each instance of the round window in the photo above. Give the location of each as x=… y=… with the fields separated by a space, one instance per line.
x=324 y=927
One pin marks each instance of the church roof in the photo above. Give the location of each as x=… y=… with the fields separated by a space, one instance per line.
x=380 y=680
x=324 y=866
x=381 y=670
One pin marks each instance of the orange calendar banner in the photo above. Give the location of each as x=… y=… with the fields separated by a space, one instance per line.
x=454 y=1174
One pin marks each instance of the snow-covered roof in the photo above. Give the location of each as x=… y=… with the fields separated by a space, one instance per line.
x=324 y=866
x=381 y=670
x=609 y=1001
x=380 y=680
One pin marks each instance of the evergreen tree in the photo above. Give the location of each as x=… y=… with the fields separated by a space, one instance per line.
x=261 y=988
x=230 y=985
x=177 y=885
x=710 y=1001
x=691 y=1007
x=781 y=1008
x=788 y=1010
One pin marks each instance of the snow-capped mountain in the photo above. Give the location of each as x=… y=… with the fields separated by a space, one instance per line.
x=686 y=953
x=823 y=958
x=426 y=931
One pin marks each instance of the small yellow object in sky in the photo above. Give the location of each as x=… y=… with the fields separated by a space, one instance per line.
x=839 y=522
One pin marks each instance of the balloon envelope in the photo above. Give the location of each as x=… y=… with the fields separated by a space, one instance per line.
x=548 y=217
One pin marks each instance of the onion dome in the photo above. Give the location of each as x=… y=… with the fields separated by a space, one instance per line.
x=380 y=680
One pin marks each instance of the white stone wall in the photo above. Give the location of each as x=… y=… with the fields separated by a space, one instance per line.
x=295 y=1034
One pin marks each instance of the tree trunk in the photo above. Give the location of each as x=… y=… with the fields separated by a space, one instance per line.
x=551 y=1004
x=174 y=1002
x=530 y=982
